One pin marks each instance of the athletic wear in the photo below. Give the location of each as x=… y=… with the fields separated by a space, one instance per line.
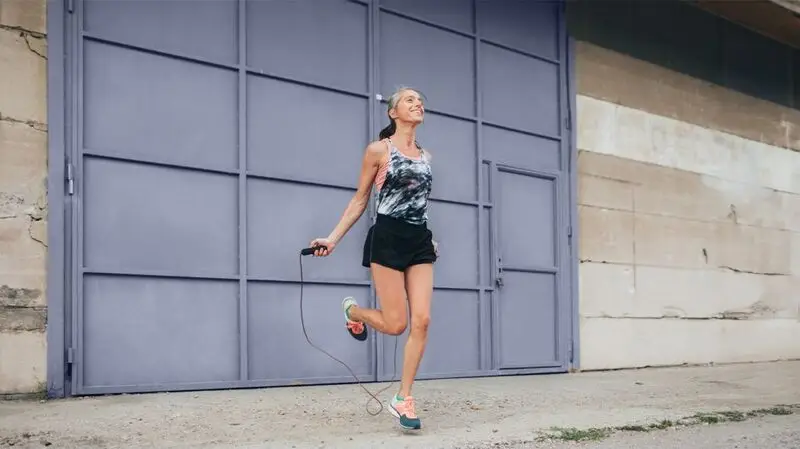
x=356 y=328
x=404 y=410
x=397 y=244
x=404 y=185
x=400 y=236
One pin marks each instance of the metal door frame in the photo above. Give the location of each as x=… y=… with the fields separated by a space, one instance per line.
x=64 y=71
x=58 y=385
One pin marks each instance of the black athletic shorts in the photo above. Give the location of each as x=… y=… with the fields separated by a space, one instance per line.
x=397 y=244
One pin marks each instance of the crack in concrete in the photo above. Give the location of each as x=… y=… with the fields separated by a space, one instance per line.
x=762 y=273
x=23 y=30
x=30 y=47
x=719 y=317
x=38 y=126
x=724 y=267
x=26 y=34
x=30 y=231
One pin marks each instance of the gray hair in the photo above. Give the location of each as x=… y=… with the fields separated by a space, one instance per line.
x=391 y=102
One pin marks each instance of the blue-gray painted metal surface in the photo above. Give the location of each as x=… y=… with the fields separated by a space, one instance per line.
x=208 y=150
x=56 y=210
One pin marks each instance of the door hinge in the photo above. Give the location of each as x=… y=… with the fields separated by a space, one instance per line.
x=70 y=362
x=70 y=177
x=569 y=232
x=567 y=123
x=70 y=6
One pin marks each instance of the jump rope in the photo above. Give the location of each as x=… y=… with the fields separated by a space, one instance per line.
x=373 y=397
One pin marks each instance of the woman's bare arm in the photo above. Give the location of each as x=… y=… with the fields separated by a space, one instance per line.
x=373 y=156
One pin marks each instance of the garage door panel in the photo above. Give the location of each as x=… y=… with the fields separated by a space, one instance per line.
x=278 y=349
x=139 y=217
x=441 y=64
x=455 y=227
x=521 y=150
x=454 y=345
x=301 y=132
x=140 y=105
x=518 y=89
x=529 y=26
x=452 y=144
x=527 y=220
x=456 y=14
x=527 y=317
x=321 y=42
x=283 y=218
x=200 y=28
x=145 y=331
x=186 y=270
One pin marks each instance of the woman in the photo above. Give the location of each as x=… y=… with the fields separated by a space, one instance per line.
x=399 y=248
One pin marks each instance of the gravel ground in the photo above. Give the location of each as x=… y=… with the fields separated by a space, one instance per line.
x=458 y=413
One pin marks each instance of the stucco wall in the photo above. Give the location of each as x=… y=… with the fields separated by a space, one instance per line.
x=23 y=195
x=689 y=209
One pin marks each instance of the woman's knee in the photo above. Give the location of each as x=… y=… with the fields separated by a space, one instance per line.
x=395 y=325
x=420 y=323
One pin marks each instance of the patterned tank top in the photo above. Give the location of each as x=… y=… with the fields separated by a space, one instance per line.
x=404 y=185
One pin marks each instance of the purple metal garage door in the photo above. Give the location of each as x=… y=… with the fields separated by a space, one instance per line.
x=213 y=138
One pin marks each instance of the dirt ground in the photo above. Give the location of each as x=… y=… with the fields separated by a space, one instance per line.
x=459 y=413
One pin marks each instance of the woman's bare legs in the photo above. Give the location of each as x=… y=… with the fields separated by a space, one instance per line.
x=419 y=284
x=395 y=289
x=392 y=318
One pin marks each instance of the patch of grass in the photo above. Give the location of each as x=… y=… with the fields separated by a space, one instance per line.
x=577 y=435
x=661 y=425
x=41 y=391
x=706 y=418
x=779 y=410
x=632 y=428
x=595 y=433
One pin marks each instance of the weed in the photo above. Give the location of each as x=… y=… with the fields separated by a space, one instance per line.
x=575 y=434
x=595 y=434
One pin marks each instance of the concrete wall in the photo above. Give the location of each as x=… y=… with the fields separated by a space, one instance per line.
x=23 y=195
x=689 y=209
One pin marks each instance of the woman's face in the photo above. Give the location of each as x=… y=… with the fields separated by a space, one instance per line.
x=409 y=108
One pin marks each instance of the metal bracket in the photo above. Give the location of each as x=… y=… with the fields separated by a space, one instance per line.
x=70 y=178
x=498 y=280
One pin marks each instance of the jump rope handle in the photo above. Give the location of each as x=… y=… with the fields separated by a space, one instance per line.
x=310 y=251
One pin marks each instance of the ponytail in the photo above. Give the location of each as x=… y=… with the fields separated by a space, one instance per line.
x=389 y=130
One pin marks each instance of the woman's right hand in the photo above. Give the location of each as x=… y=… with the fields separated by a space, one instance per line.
x=324 y=247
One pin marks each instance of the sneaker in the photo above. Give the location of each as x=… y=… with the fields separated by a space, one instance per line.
x=356 y=328
x=403 y=409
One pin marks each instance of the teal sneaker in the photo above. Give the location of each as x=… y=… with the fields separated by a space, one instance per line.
x=404 y=410
x=357 y=329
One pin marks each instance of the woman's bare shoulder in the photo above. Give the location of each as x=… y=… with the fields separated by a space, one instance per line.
x=377 y=147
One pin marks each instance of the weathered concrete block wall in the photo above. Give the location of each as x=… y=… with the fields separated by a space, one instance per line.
x=689 y=209
x=23 y=195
